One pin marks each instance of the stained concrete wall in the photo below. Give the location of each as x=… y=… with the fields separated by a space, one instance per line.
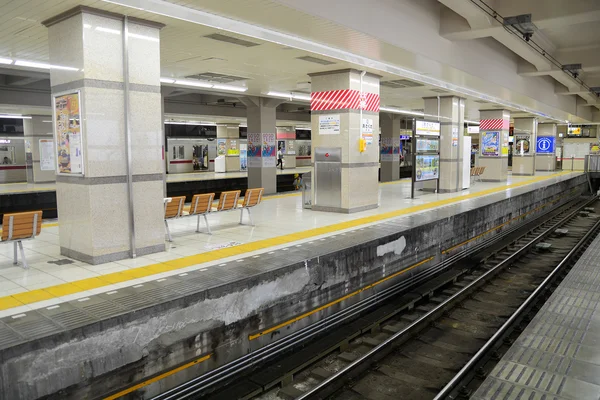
x=88 y=361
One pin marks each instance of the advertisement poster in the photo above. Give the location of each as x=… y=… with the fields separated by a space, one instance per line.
x=69 y=147
x=574 y=131
x=232 y=148
x=396 y=144
x=454 y=137
x=387 y=149
x=269 y=152
x=47 y=162
x=594 y=148
x=254 y=150
x=243 y=157
x=428 y=144
x=545 y=145
x=522 y=143
x=329 y=124
x=427 y=167
x=505 y=141
x=221 y=147
x=291 y=149
x=490 y=144
x=281 y=146
x=367 y=130
x=427 y=128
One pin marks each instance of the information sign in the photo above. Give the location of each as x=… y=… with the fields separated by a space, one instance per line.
x=427 y=167
x=47 y=162
x=428 y=128
x=545 y=145
x=329 y=124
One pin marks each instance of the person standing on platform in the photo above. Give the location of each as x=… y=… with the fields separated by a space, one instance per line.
x=279 y=158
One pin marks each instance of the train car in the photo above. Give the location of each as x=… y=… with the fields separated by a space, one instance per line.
x=190 y=155
x=13 y=166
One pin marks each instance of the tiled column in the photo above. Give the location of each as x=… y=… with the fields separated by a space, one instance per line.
x=336 y=124
x=260 y=115
x=451 y=117
x=493 y=132
x=287 y=135
x=231 y=134
x=38 y=131
x=390 y=147
x=525 y=134
x=96 y=211
x=545 y=160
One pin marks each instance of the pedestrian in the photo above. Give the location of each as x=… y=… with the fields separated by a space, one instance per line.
x=279 y=158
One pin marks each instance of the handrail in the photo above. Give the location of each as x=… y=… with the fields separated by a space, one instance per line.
x=324 y=387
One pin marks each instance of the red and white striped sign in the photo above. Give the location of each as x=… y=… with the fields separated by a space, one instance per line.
x=341 y=99
x=491 y=124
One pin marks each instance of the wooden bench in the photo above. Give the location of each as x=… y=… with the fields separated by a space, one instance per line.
x=17 y=227
x=476 y=173
x=201 y=206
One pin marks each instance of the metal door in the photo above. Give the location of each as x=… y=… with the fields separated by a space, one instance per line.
x=328 y=174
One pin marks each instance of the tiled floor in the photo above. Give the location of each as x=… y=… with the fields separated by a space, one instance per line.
x=280 y=220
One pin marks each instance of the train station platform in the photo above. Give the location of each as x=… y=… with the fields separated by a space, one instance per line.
x=557 y=355
x=209 y=299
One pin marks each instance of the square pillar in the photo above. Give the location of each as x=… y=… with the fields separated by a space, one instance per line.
x=349 y=183
x=525 y=136
x=545 y=156
x=493 y=144
x=108 y=124
x=390 y=147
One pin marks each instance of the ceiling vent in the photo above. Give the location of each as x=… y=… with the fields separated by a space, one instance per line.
x=230 y=39
x=400 y=84
x=315 y=60
x=213 y=77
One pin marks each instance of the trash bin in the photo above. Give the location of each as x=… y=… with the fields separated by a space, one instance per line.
x=306 y=190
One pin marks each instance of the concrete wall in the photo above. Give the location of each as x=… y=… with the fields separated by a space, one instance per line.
x=119 y=351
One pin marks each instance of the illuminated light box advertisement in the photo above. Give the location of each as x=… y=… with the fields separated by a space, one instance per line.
x=427 y=128
x=427 y=167
x=428 y=144
x=522 y=144
x=269 y=151
x=490 y=144
x=254 y=151
x=545 y=145
x=69 y=145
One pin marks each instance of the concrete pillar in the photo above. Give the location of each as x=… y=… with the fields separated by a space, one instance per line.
x=390 y=147
x=262 y=142
x=228 y=142
x=525 y=134
x=545 y=156
x=108 y=123
x=493 y=144
x=452 y=115
x=337 y=130
x=38 y=133
x=286 y=138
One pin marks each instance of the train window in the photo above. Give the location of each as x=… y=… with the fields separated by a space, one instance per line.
x=181 y=152
x=7 y=155
x=178 y=152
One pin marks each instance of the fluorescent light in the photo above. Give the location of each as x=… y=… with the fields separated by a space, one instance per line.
x=143 y=37
x=291 y=95
x=398 y=111
x=87 y=26
x=108 y=30
x=32 y=64
x=230 y=88
x=15 y=116
x=205 y=123
x=187 y=82
x=280 y=94
x=167 y=80
x=471 y=122
x=300 y=97
x=5 y=60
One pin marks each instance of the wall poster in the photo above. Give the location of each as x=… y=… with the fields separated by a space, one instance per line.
x=396 y=144
x=232 y=147
x=269 y=152
x=329 y=124
x=47 y=162
x=387 y=149
x=427 y=167
x=505 y=142
x=243 y=156
x=522 y=144
x=254 y=152
x=490 y=143
x=221 y=147
x=69 y=143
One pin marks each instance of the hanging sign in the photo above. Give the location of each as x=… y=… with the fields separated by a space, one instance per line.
x=69 y=144
x=46 y=149
x=490 y=143
x=367 y=130
x=254 y=151
x=329 y=124
x=545 y=144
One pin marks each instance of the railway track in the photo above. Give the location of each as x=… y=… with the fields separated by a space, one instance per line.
x=411 y=348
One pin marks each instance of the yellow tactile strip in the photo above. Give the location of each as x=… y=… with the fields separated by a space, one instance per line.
x=65 y=289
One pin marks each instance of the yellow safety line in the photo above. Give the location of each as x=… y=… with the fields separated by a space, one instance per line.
x=64 y=289
x=339 y=300
x=157 y=378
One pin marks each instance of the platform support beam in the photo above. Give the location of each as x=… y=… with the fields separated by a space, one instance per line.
x=493 y=144
x=107 y=98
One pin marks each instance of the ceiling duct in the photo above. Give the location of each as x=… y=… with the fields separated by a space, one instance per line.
x=400 y=84
x=214 y=77
x=231 y=40
x=315 y=60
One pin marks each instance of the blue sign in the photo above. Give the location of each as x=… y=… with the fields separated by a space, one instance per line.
x=404 y=137
x=545 y=145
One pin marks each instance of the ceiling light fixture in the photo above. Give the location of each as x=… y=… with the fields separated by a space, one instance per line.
x=201 y=84
x=398 y=111
x=33 y=64
x=471 y=122
x=290 y=96
x=205 y=123
x=230 y=88
x=15 y=116
x=5 y=60
x=167 y=80
x=186 y=82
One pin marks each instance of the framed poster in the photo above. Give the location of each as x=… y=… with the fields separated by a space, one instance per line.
x=329 y=124
x=387 y=149
x=68 y=133
x=427 y=167
x=269 y=151
x=221 y=147
x=522 y=144
x=490 y=143
x=254 y=151
x=47 y=162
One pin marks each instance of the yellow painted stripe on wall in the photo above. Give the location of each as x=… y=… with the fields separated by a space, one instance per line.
x=7 y=302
